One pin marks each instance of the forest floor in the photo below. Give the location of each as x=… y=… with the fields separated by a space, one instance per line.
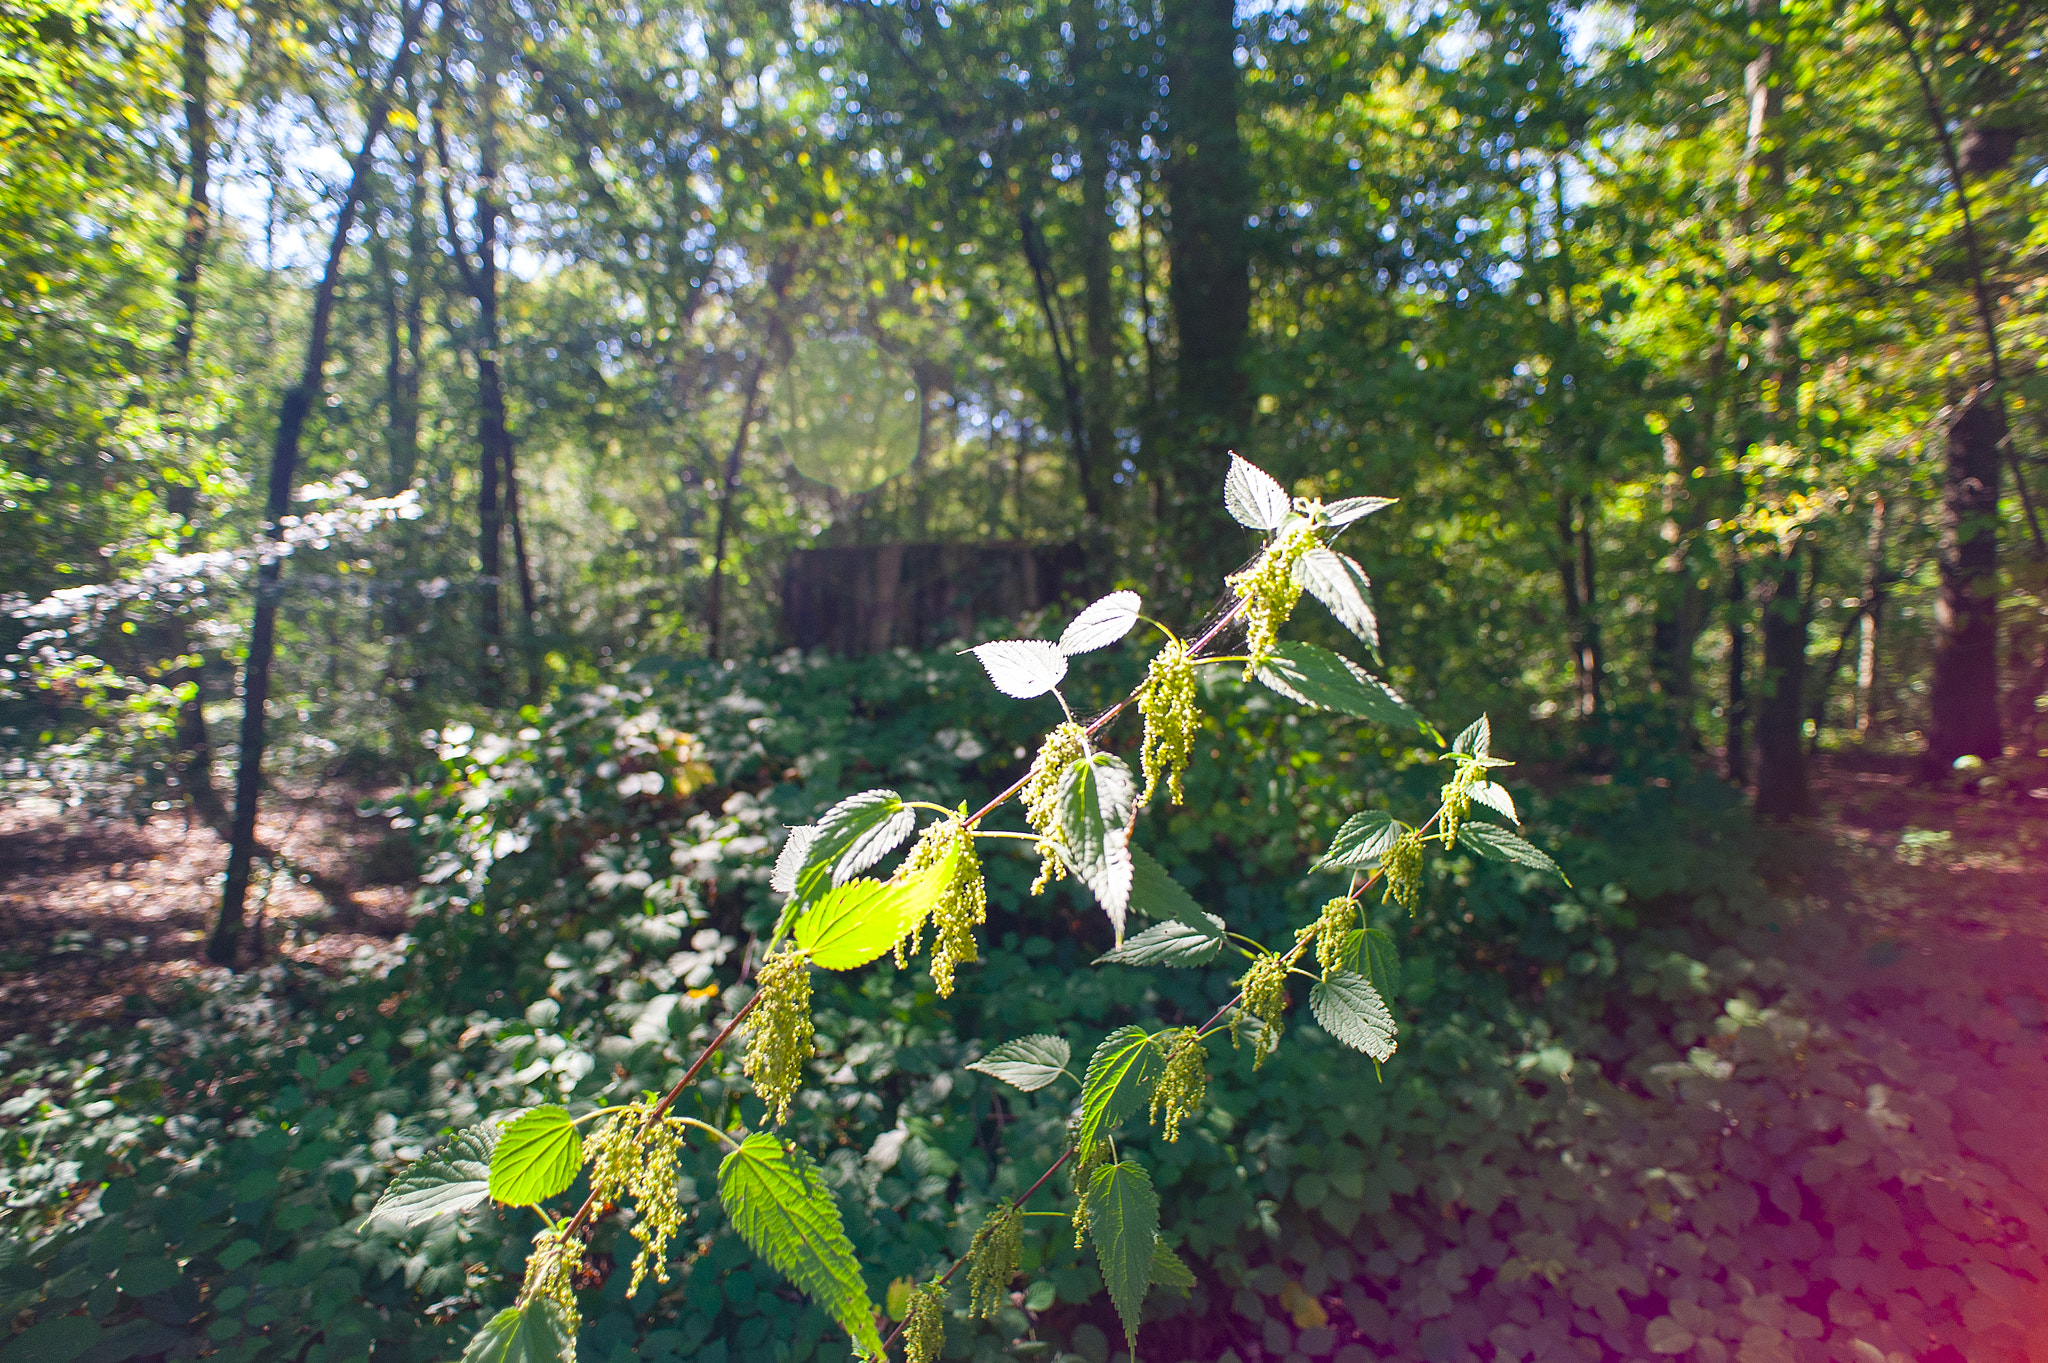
x=1936 y=1012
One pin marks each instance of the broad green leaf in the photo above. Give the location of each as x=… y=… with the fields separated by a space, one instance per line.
x=1341 y=585
x=146 y=1275
x=1497 y=844
x=1252 y=496
x=1123 y=1221
x=533 y=1333
x=1022 y=668
x=1363 y=840
x=537 y=1156
x=779 y=1204
x=1349 y=509
x=1473 y=742
x=1318 y=677
x=1120 y=1074
x=1028 y=1063
x=1156 y=894
x=1377 y=960
x=57 y=1340
x=796 y=850
x=1496 y=798
x=1097 y=799
x=444 y=1182
x=1172 y=943
x=852 y=836
x=1102 y=624
x=1168 y=1271
x=856 y=922
x=1351 y=1010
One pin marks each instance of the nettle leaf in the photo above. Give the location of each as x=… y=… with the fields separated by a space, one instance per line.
x=1102 y=624
x=1098 y=797
x=1474 y=740
x=1351 y=1010
x=779 y=1204
x=864 y=828
x=1120 y=1074
x=1156 y=894
x=1342 y=585
x=1377 y=959
x=1022 y=668
x=1363 y=840
x=1342 y=513
x=537 y=1156
x=1495 y=798
x=1168 y=1271
x=856 y=922
x=1123 y=1221
x=1497 y=844
x=533 y=1333
x=1252 y=496
x=1171 y=943
x=796 y=849
x=445 y=1182
x=1028 y=1063
x=1318 y=677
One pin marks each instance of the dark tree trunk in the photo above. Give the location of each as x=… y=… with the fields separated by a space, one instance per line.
x=1675 y=625
x=728 y=492
x=1099 y=299
x=1781 y=787
x=1063 y=358
x=1963 y=696
x=1208 y=192
x=224 y=944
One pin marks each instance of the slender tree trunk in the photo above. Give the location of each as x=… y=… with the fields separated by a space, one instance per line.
x=1782 y=791
x=1874 y=587
x=1099 y=397
x=728 y=493
x=1208 y=191
x=1063 y=359
x=223 y=945
x=1675 y=626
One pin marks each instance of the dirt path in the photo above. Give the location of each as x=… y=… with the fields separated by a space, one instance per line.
x=103 y=916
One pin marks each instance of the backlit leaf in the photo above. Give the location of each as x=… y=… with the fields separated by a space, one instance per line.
x=1363 y=840
x=537 y=1156
x=1097 y=799
x=1341 y=585
x=1473 y=741
x=1102 y=624
x=533 y=1333
x=1168 y=1271
x=1120 y=1074
x=1022 y=668
x=1253 y=498
x=779 y=1204
x=1349 y=509
x=856 y=922
x=1123 y=1221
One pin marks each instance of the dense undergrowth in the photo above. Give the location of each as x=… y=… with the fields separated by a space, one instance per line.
x=1610 y=1131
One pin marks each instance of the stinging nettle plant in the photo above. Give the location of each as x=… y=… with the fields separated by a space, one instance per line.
x=1080 y=804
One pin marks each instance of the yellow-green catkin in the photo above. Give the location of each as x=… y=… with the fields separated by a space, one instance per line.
x=1339 y=917
x=924 y=1328
x=961 y=906
x=1265 y=997
x=1403 y=870
x=551 y=1277
x=1080 y=1173
x=1061 y=749
x=1270 y=592
x=1183 y=1085
x=994 y=1255
x=780 y=1038
x=1167 y=703
x=1457 y=803
x=659 y=1214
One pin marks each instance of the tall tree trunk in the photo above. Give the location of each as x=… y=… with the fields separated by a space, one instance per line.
x=1063 y=359
x=779 y=278
x=1575 y=581
x=1675 y=624
x=1782 y=791
x=1099 y=300
x=1208 y=189
x=223 y=945
x=1737 y=711
x=1875 y=584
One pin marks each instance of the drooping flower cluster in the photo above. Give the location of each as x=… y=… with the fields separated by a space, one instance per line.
x=1080 y=1173
x=924 y=1327
x=1269 y=591
x=633 y=1157
x=994 y=1255
x=1457 y=801
x=1062 y=748
x=551 y=1278
x=961 y=906
x=780 y=1038
x=1167 y=702
x=1265 y=997
x=1403 y=869
x=1339 y=918
x=1184 y=1084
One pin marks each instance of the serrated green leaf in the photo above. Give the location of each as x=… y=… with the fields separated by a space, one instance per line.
x=781 y=1207
x=1497 y=844
x=1343 y=512
x=852 y=836
x=1172 y=944
x=1028 y=1063
x=1342 y=586
x=532 y=1333
x=1120 y=1074
x=537 y=1156
x=1168 y=1271
x=1315 y=676
x=1475 y=739
x=1097 y=798
x=1377 y=959
x=856 y=922
x=1495 y=797
x=1022 y=668
x=1156 y=894
x=444 y=1182
x=1123 y=1221
x=1351 y=1010
x=1253 y=497
x=1363 y=840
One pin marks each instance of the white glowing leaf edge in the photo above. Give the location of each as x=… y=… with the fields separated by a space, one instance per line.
x=1102 y=624
x=1022 y=668
x=1252 y=496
